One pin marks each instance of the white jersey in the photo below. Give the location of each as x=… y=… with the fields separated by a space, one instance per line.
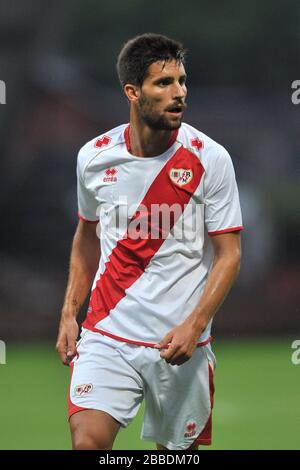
x=152 y=273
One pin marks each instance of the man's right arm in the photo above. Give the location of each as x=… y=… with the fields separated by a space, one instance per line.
x=85 y=256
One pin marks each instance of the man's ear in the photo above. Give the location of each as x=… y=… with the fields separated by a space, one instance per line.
x=132 y=92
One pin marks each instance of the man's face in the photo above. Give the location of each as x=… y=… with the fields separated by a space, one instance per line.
x=163 y=94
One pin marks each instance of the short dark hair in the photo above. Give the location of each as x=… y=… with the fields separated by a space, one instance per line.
x=139 y=53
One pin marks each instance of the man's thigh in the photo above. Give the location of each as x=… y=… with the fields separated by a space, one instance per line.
x=102 y=380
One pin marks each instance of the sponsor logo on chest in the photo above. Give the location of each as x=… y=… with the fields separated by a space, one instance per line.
x=110 y=175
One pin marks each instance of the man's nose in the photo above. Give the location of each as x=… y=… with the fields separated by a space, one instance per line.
x=179 y=91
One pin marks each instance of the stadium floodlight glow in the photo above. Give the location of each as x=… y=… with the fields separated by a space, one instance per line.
x=2 y=352
x=2 y=92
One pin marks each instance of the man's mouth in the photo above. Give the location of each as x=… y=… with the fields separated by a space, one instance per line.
x=176 y=109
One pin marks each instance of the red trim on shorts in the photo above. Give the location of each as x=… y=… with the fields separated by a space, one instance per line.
x=127 y=138
x=137 y=343
x=227 y=230
x=86 y=220
x=72 y=408
x=204 y=437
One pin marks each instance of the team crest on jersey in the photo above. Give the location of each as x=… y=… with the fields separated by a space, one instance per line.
x=83 y=389
x=181 y=176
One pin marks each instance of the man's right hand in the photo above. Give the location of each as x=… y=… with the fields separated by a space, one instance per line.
x=66 y=340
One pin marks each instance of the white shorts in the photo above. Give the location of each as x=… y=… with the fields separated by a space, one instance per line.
x=115 y=377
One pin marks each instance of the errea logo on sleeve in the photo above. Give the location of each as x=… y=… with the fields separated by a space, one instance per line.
x=191 y=429
x=103 y=141
x=2 y=92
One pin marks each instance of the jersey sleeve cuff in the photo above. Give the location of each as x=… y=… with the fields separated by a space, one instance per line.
x=227 y=230
x=87 y=220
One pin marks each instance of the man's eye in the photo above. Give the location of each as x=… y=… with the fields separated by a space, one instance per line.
x=163 y=83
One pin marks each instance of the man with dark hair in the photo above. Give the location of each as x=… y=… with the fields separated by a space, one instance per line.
x=139 y=53
x=167 y=204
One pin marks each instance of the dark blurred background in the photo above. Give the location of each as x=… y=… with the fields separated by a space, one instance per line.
x=58 y=62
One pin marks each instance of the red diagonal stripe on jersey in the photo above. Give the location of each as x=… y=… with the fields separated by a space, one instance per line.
x=130 y=257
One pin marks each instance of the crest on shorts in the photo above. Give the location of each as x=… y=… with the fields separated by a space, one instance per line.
x=191 y=429
x=83 y=389
x=181 y=176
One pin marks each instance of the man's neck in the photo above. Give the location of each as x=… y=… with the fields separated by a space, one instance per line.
x=146 y=142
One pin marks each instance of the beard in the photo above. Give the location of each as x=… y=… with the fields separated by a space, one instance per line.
x=153 y=119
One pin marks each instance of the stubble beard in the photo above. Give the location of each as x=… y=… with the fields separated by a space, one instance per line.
x=154 y=120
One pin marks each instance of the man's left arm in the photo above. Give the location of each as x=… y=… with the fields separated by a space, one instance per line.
x=182 y=340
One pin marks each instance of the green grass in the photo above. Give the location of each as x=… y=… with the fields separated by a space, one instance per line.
x=256 y=400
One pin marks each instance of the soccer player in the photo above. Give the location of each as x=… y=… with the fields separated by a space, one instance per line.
x=163 y=199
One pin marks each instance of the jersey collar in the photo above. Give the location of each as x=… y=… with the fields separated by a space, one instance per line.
x=127 y=138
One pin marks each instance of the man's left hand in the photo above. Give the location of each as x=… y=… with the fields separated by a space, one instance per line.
x=179 y=344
